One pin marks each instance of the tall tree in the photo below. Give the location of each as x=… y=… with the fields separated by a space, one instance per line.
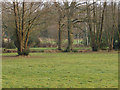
x=70 y=9
x=95 y=23
x=61 y=15
x=26 y=16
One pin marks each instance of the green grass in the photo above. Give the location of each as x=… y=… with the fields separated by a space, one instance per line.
x=80 y=48
x=48 y=48
x=42 y=48
x=60 y=70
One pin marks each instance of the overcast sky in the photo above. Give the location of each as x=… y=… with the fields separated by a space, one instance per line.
x=60 y=0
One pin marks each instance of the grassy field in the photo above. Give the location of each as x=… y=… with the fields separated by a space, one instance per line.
x=53 y=48
x=60 y=70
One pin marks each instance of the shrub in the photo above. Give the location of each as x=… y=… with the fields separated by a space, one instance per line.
x=103 y=45
x=94 y=47
x=25 y=52
x=116 y=45
x=9 y=45
x=75 y=50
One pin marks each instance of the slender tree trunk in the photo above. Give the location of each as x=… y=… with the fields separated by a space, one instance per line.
x=113 y=6
x=59 y=11
x=16 y=24
x=27 y=38
x=59 y=36
x=101 y=25
x=112 y=38
x=23 y=36
x=92 y=34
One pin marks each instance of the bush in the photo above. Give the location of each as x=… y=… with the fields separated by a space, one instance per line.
x=25 y=52
x=104 y=45
x=9 y=45
x=116 y=45
x=94 y=47
x=75 y=50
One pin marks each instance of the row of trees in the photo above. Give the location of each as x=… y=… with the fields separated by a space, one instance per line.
x=98 y=20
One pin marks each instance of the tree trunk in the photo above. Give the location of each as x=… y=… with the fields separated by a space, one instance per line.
x=69 y=14
x=101 y=25
x=59 y=36
x=92 y=34
x=70 y=35
x=19 y=22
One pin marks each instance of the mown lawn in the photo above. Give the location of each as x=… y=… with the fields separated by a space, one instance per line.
x=53 y=48
x=60 y=70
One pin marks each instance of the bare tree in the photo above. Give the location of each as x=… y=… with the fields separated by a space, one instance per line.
x=70 y=9
x=61 y=16
x=26 y=16
x=95 y=23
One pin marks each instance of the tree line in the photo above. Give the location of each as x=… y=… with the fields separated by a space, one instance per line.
x=96 y=19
